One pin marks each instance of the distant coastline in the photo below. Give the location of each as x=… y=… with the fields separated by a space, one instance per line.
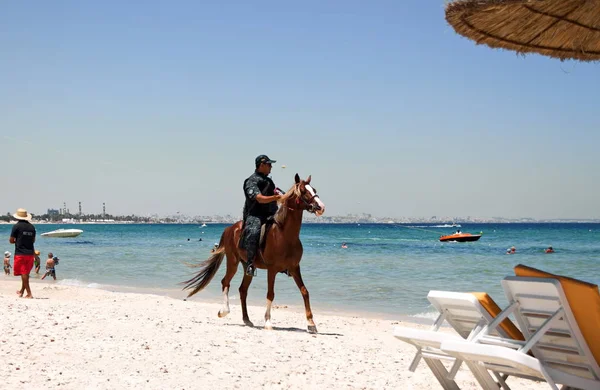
x=309 y=220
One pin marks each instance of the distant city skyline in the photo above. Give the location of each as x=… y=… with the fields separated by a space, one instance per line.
x=162 y=109
x=63 y=215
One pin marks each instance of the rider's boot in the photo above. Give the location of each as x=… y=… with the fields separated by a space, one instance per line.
x=250 y=268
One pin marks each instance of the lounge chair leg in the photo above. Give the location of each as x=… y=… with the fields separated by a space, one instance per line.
x=501 y=380
x=482 y=376
x=415 y=362
x=441 y=374
x=454 y=369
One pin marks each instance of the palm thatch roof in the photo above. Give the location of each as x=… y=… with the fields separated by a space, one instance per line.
x=565 y=29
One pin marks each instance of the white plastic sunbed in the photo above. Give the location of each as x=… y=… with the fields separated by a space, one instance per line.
x=468 y=316
x=559 y=351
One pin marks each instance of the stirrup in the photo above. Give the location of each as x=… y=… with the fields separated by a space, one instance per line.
x=250 y=270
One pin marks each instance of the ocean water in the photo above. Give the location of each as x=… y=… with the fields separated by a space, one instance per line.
x=386 y=269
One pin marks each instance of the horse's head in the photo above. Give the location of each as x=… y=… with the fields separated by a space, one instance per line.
x=304 y=197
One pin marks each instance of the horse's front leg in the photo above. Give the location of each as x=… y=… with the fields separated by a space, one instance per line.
x=312 y=328
x=270 y=296
x=243 y=294
x=225 y=284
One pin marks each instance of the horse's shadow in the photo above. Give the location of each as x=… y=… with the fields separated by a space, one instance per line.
x=286 y=329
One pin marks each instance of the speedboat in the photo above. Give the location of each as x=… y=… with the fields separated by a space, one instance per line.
x=63 y=233
x=460 y=237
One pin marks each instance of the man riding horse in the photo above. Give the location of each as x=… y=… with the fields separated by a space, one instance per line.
x=282 y=251
x=261 y=203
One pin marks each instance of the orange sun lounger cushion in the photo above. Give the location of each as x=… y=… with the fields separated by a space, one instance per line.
x=491 y=307
x=584 y=299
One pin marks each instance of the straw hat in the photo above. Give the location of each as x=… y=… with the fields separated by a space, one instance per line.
x=22 y=215
x=564 y=29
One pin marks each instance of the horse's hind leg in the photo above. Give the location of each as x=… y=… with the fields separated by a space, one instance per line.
x=243 y=294
x=270 y=296
x=312 y=328
x=225 y=284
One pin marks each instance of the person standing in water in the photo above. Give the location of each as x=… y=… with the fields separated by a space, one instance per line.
x=7 y=265
x=50 y=266
x=36 y=262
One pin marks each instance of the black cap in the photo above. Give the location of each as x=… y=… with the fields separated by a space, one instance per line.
x=263 y=159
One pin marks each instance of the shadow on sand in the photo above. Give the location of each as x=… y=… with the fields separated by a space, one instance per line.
x=288 y=329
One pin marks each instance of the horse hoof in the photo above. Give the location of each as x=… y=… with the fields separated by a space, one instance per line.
x=268 y=327
x=312 y=329
x=223 y=313
x=248 y=323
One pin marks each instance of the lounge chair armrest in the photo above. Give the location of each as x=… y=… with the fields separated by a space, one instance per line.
x=423 y=338
x=490 y=354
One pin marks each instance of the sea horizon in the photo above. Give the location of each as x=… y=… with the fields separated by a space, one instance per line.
x=317 y=222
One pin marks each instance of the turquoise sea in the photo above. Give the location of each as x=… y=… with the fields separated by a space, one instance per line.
x=386 y=269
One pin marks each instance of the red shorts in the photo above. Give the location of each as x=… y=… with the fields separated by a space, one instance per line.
x=23 y=264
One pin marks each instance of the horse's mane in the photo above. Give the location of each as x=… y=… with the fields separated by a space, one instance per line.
x=282 y=212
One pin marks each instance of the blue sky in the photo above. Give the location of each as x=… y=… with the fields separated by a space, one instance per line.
x=159 y=107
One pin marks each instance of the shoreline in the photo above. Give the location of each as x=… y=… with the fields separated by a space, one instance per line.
x=73 y=337
x=212 y=298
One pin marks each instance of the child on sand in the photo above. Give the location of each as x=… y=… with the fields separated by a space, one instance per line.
x=7 y=265
x=50 y=264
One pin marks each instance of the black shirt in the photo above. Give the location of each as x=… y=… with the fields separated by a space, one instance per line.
x=24 y=234
x=256 y=184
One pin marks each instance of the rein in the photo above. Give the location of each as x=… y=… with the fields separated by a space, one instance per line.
x=308 y=203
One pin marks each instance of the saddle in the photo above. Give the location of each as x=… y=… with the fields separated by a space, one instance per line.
x=264 y=230
x=262 y=242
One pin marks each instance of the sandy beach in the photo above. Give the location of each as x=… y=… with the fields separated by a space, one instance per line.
x=83 y=338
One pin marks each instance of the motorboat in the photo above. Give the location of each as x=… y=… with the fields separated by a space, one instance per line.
x=460 y=237
x=63 y=233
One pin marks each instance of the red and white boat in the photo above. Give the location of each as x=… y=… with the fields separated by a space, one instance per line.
x=460 y=237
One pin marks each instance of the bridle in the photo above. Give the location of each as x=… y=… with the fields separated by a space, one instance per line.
x=310 y=206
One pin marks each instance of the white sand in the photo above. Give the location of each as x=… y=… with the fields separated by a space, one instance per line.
x=81 y=338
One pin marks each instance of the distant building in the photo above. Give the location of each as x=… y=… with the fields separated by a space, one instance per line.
x=53 y=212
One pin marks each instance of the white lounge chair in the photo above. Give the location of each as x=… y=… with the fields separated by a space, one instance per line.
x=554 y=349
x=467 y=313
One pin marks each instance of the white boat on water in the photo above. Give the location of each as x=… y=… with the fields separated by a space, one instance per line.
x=63 y=233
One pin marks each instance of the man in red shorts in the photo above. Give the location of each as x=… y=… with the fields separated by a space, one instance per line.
x=23 y=236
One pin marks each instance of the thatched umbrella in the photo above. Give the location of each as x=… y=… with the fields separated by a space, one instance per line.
x=565 y=29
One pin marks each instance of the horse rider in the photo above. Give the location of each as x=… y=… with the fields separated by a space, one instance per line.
x=261 y=203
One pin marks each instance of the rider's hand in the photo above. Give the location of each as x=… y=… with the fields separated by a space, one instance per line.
x=276 y=197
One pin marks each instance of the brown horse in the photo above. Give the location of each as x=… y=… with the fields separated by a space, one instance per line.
x=283 y=251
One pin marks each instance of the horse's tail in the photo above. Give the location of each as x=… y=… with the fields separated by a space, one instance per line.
x=208 y=269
